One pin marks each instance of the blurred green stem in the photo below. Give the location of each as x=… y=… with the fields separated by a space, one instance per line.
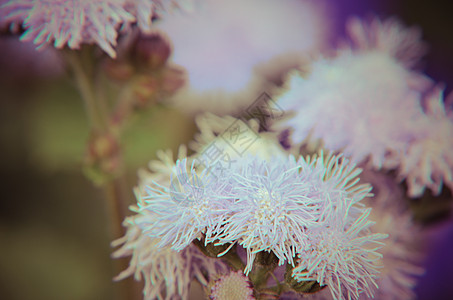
x=85 y=87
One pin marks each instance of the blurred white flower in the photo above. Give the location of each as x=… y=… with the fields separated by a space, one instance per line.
x=358 y=104
x=387 y=36
x=69 y=23
x=402 y=258
x=223 y=141
x=428 y=161
x=166 y=273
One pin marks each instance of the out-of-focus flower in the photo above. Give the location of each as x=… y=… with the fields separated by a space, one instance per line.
x=402 y=258
x=167 y=273
x=225 y=41
x=342 y=256
x=387 y=36
x=231 y=286
x=69 y=23
x=428 y=162
x=223 y=141
x=359 y=104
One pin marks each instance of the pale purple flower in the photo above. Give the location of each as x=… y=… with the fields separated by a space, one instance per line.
x=428 y=162
x=272 y=210
x=387 y=36
x=166 y=273
x=186 y=206
x=223 y=141
x=341 y=254
x=71 y=23
x=359 y=104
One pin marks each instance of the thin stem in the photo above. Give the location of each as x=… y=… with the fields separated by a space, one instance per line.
x=85 y=88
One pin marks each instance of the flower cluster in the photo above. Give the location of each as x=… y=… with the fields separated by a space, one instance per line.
x=307 y=212
x=77 y=22
x=367 y=103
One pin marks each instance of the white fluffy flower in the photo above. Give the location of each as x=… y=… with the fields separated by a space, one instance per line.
x=223 y=141
x=359 y=104
x=187 y=206
x=167 y=273
x=387 y=36
x=69 y=23
x=341 y=254
x=428 y=162
x=401 y=262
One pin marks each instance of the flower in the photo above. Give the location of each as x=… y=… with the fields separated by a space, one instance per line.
x=272 y=209
x=428 y=161
x=187 y=206
x=401 y=261
x=280 y=200
x=359 y=104
x=341 y=254
x=69 y=22
x=387 y=36
x=223 y=141
x=232 y=286
x=167 y=273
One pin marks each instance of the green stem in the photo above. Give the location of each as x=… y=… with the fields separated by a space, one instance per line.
x=85 y=88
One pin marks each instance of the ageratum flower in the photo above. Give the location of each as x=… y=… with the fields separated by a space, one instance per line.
x=187 y=206
x=341 y=254
x=280 y=200
x=428 y=162
x=69 y=23
x=387 y=36
x=167 y=273
x=359 y=104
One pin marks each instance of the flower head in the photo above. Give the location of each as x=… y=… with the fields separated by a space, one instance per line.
x=69 y=22
x=341 y=255
x=359 y=104
x=167 y=273
x=232 y=286
x=387 y=36
x=428 y=161
x=187 y=206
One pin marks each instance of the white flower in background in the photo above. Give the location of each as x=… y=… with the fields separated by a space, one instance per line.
x=387 y=36
x=69 y=23
x=341 y=254
x=400 y=267
x=223 y=141
x=161 y=169
x=166 y=273
x=359 y=104
x=428 y=162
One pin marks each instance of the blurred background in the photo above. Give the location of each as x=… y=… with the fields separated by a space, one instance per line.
x=54 y=231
